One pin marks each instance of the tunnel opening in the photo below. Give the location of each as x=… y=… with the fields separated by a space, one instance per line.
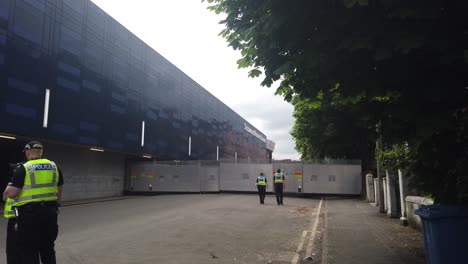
x=10 y=154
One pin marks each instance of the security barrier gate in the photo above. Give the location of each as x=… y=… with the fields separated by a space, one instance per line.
x=201 y=176
x=332 y=179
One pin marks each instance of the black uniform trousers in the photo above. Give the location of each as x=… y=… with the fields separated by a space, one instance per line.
x=261 y=193
x=12 y=250
x=37 y=231
x=279 y=193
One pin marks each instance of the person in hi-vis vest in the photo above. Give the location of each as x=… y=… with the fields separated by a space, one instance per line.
x=262 y=186
x=36 y=187
x=12 y=250
x=278 y=179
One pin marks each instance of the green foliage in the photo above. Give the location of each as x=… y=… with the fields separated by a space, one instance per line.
x=441 y=167
x=254 y=73
x=348 y=65
x=323 y=129
x=397 y=157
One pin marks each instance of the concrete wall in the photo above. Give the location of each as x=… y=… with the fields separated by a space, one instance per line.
x=413 y=203
x=88 y=174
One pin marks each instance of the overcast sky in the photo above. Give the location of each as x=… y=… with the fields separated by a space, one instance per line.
x=186 y=34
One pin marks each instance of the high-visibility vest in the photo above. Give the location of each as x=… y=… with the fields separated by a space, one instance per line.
x=8 y=209
x=261 y=181
x=279 y=178
x=40 y=182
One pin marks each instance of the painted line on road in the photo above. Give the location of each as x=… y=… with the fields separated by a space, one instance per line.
x=310 y=246
x=325 y=236
x=299 y=247
x=295 y=259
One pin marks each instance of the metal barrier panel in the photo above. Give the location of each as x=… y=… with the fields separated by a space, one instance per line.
x=178 y=178
x=142 y=177
x=353 y=179
x=332 y=179
x=209 y=178
x=242 y=177
x=312 y=178
x=293 y=176
x=146 y=176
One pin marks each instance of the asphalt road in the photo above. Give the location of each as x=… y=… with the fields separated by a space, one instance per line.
x=195 y=228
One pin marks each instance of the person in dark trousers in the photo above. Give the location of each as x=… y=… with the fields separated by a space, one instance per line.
x=36 y=187
x=262 y=186
x=12 y=250
x=278 y=179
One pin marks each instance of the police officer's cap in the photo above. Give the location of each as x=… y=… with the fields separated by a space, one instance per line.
x=33 y=145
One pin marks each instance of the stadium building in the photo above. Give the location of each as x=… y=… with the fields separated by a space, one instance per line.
x=98 y=97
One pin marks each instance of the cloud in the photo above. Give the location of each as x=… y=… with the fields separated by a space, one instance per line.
x=274 y=118
x=186 y=34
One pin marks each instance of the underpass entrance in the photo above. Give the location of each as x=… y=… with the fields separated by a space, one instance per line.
x=11 y=153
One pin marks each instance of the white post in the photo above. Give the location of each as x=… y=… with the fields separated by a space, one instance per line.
x=376 y=192
x=385 y=197
x=235 y=157
x=217 y=152
x=403 y=218
x=370 y=187
x=380 y=176
x=368 y=196
x=391 y=196
x=46 y=108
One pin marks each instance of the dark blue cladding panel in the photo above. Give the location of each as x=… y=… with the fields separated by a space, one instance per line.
x=104 y=83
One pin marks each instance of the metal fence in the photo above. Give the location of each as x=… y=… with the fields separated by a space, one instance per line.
x=325 y=177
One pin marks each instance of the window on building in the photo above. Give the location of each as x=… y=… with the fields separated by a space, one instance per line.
x=28 y=22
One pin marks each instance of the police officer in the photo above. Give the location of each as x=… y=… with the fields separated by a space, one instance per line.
x=36 y=187
x=261 y=186
x=12 y=250
x=278 y=179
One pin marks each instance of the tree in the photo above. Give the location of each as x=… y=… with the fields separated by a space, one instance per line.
x=403 y=63
x=339 y=131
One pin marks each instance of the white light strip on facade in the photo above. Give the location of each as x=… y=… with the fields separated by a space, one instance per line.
x=189 y=146
x=217 y=152
x=46 y=108
x=96 y=149
x=147 y=156
x=142 y=133
x=7 y=137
